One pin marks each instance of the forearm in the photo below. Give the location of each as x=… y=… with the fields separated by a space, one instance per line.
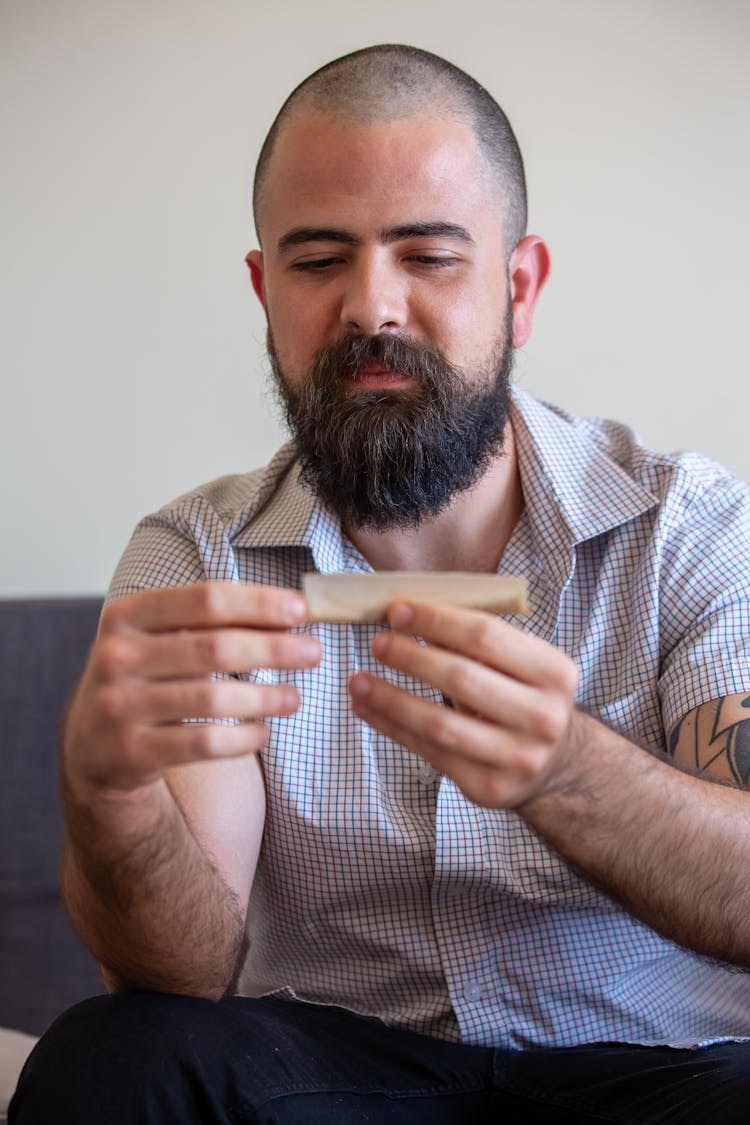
x=160 y=897
x=671 y=847
x=145 y=898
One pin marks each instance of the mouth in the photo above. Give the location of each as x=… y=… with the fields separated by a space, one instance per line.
x=375 y=377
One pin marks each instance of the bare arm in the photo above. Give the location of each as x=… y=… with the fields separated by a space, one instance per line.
x=667 y=844
x=165 y=816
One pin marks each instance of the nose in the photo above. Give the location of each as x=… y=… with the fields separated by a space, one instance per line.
x=374 y=298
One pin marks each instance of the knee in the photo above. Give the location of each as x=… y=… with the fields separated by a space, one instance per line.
x=100 y=1056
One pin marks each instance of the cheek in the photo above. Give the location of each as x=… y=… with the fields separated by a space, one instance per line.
x=469 y=337
x=469 y=318
x=297 y=313
x=299 y=331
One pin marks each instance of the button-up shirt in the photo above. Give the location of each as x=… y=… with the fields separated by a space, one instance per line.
x=380 y=887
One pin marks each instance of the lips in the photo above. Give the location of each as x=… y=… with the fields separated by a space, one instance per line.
x=376 y=375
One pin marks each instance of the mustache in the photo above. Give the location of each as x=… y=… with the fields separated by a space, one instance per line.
x=399 y=354
x=382 y=460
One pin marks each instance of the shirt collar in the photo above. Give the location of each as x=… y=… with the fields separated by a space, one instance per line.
x=286 y=513
x=573 y=491
x=571 y=470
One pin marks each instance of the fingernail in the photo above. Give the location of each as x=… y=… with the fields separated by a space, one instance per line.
x=294 y=610
x=400 y=615
x=359 y=686
x=289 y=698
x=309 y=648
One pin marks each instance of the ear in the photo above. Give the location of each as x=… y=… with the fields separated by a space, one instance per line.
x=254 y=262
x=528 y=270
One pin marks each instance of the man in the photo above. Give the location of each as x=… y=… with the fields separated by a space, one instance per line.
x=498 y=866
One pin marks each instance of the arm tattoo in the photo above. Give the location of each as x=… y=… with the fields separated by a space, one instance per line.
x=716 y=738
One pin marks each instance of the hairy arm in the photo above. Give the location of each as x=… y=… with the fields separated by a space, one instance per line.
x=154 y=904
x=165 y=817
x=668 y=844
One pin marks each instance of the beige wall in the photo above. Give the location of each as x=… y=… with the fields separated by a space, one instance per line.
x=131 y=350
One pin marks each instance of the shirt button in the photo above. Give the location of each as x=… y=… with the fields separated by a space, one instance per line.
x=472 y=991
x=426 y=774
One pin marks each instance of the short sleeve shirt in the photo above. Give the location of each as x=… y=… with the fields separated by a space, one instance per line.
x=380 y=887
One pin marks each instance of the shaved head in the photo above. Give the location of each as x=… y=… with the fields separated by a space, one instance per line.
x=391 y=83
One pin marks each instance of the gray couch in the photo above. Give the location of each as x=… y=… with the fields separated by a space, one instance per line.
x=43 y=966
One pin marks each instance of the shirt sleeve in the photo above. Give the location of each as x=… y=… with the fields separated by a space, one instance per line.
x=183 y=543
x=704 y=589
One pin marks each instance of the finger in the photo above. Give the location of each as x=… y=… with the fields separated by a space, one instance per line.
x=152 y=750
x=206 y=605
x=488 y=640
x=173 y=702
x=428 y=729
x=490 y=769
x=488 y=693
x=197 y=652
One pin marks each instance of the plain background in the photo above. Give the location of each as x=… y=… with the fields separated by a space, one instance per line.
x=131 y=347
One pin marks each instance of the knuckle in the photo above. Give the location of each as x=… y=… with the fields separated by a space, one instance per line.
x=128 y=745
x=210 y=649
x=111 y=704
x=210 y=697
x=572 y=679
x=460 y=680
x=494 y=790
x=115 y=614
x=551 y=721
x=441 y=728
x=530 y=766
x=485 y=635
x=207 y=648
x=265 y=596
x=128 y=748
x=212 y=599
x=567 y=676
x=545 y=725
x=112 y=657
x=276 y=648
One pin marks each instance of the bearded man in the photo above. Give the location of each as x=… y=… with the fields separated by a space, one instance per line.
x=466 y=865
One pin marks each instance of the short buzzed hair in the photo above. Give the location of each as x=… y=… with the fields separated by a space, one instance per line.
x=391 y=82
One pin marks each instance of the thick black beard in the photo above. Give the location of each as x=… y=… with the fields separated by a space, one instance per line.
x=386 y=460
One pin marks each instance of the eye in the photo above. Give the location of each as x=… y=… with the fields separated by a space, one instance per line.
x=313 y=265
x=434 y=261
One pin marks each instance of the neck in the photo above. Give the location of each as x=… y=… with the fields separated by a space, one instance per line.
x=471 y=534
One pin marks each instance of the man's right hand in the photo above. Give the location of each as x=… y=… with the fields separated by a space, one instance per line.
x=152 y=667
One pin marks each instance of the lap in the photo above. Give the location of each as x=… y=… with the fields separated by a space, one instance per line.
x=632 y=1085
x=156 y=1059
x=245 y=1060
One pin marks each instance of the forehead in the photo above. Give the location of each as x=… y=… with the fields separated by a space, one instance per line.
x=325 y=170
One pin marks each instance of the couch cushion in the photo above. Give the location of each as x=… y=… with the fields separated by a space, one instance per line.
x=14 y=1050
x=43 y=966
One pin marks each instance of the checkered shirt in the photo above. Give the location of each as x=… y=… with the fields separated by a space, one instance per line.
x=380 y=887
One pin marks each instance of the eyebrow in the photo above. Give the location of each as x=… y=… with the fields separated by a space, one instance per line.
x=298 y=236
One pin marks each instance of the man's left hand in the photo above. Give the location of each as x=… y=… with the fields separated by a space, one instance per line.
x=512 y=694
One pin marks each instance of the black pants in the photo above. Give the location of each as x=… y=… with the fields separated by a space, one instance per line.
x=145 y=1059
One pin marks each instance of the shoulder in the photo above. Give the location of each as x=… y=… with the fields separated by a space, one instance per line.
x=192 y=538
x=232 y=501
x=679 y=478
